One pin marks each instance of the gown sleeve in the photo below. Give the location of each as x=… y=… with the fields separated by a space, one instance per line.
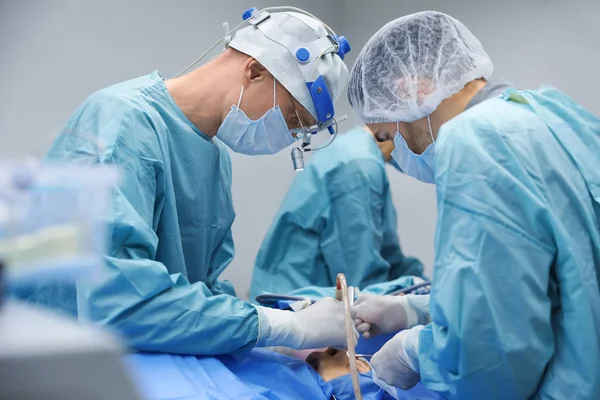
x=135 y=295
x=491 y=335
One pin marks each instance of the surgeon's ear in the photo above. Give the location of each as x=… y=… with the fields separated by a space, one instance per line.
x=254 y=72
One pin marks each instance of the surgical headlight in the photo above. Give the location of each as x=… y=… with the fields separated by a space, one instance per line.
x=306 y=56
x=305 y=134
x=297 y=159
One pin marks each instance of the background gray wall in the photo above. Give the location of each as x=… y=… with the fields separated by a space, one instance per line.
x=53 y=53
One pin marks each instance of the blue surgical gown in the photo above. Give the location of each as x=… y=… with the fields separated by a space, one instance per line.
x=338 y=216
x=170 y=226
x=515 y=302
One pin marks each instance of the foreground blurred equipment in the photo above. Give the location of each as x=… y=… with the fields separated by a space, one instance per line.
x=51 y=229
x=47 y=356
x=51 y=221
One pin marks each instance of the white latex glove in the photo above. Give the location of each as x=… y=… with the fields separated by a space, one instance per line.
x=374 y=314
x=320 y=325
x=397 y=362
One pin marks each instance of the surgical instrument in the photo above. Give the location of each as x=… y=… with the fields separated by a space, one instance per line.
x=342 y=294
x=410 y=289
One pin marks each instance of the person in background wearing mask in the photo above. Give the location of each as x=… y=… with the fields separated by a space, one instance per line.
x=515 y=302
x=338 y=216
x=171 y=225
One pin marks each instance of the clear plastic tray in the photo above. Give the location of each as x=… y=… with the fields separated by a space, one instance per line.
x=53 y=221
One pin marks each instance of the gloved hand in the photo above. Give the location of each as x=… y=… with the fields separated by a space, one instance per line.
x=397 y=362
x=374 y=315
x=320 y=325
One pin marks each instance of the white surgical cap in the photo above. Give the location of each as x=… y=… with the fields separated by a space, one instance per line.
x=412 y=64
x=283 y=65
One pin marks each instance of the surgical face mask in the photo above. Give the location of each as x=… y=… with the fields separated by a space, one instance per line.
x=266 y=135
x=419 y=166
x=394 y=164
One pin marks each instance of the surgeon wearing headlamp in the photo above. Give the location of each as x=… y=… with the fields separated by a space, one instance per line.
x=172 y=213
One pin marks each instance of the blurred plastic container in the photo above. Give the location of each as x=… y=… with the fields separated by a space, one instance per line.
x=53 y=220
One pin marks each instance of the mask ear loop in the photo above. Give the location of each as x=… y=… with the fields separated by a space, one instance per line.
x=274 y=92
x=299 y=120
x=430 y=130
x=240 y=99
